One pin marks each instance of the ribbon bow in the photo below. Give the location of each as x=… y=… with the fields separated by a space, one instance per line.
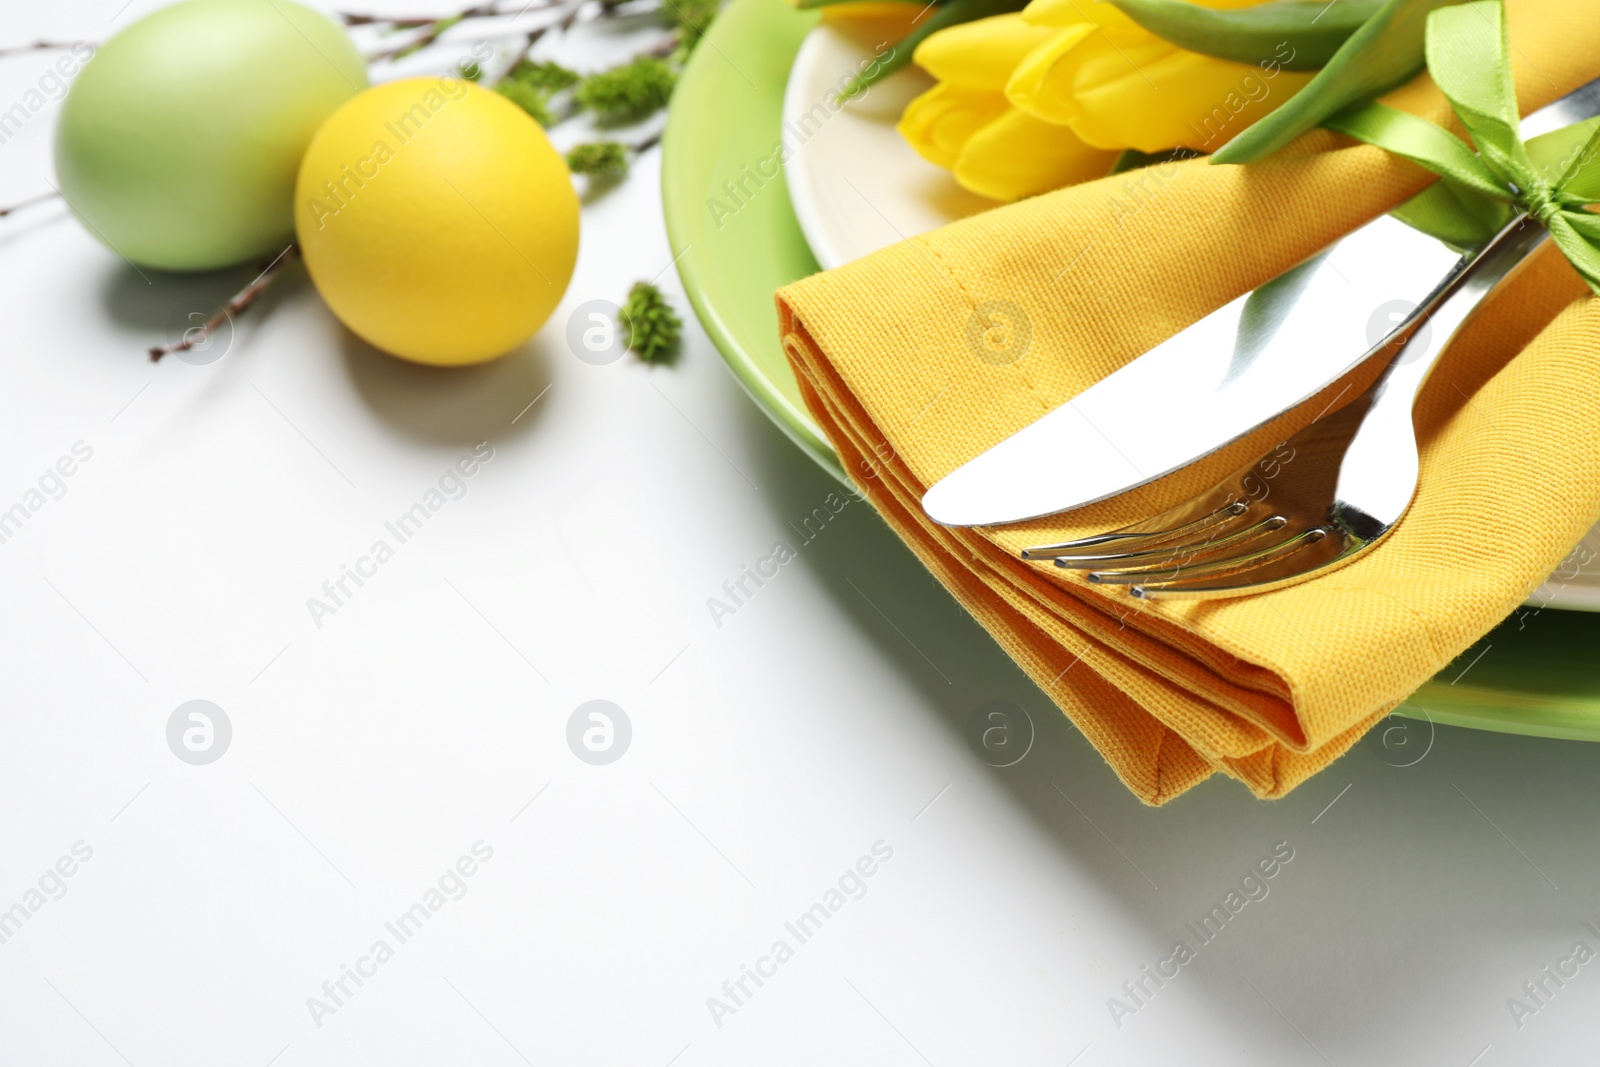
x=1552 y=177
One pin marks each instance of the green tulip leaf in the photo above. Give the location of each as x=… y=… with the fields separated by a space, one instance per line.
x=1385 y=52
x=1310 y=30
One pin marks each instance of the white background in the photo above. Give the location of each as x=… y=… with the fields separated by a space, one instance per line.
x=768 y=754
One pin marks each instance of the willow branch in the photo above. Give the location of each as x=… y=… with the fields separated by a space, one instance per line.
x=417 y=22
x=30 y=202
x=238 y=304
x=40 y=46
x=562 y=25
x=413 y=22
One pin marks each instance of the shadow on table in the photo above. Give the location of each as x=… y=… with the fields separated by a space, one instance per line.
x=163 y=305
x=462 y=406
x=457 y=406
x=1422 y=859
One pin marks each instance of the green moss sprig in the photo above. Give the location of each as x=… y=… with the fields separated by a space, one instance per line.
x=531 y=85
x=628 y=93
x=652 y=328
x=599 y=158
x=545 y=76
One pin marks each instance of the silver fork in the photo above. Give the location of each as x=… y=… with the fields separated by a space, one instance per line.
x=1316 y=502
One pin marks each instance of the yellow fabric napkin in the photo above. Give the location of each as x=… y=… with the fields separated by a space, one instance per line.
x=1269 y=688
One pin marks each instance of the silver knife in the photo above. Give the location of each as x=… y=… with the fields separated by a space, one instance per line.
x=1237 y=368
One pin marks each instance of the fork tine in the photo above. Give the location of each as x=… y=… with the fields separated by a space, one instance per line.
x=1117 y=561
x=1350 y=533
x=1163 y=533
x=1156 y=580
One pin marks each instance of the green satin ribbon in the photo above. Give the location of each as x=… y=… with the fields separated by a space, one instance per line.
x=1552 y=178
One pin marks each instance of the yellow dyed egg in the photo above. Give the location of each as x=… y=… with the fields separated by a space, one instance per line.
x=436 y=220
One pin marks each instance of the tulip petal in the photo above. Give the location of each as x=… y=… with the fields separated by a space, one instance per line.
x=1042 y=83
x=1092 y=133
x=1018 y=155
x=1178 y=100
x=1045 y=82
x=979 y=54
x=1060 y=14
x=939 y=123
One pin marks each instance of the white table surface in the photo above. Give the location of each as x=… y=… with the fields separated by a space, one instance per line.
x=768 y=753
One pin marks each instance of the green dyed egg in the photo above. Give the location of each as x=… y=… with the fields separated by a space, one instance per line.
x=179 y=143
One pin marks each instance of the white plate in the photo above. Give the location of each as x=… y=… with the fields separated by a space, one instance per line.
x=858 y=187
x=855 y=184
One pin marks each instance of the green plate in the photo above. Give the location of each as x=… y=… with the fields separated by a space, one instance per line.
x=724 y=119
x=1534 y=674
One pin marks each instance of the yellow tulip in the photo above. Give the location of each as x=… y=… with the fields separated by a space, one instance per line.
x=940 y=122
x=1048 y=97
x=967 y=124
x=1017 y=155
x=980 y=54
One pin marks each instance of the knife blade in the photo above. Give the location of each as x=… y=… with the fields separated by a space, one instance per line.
x=1234 y=370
